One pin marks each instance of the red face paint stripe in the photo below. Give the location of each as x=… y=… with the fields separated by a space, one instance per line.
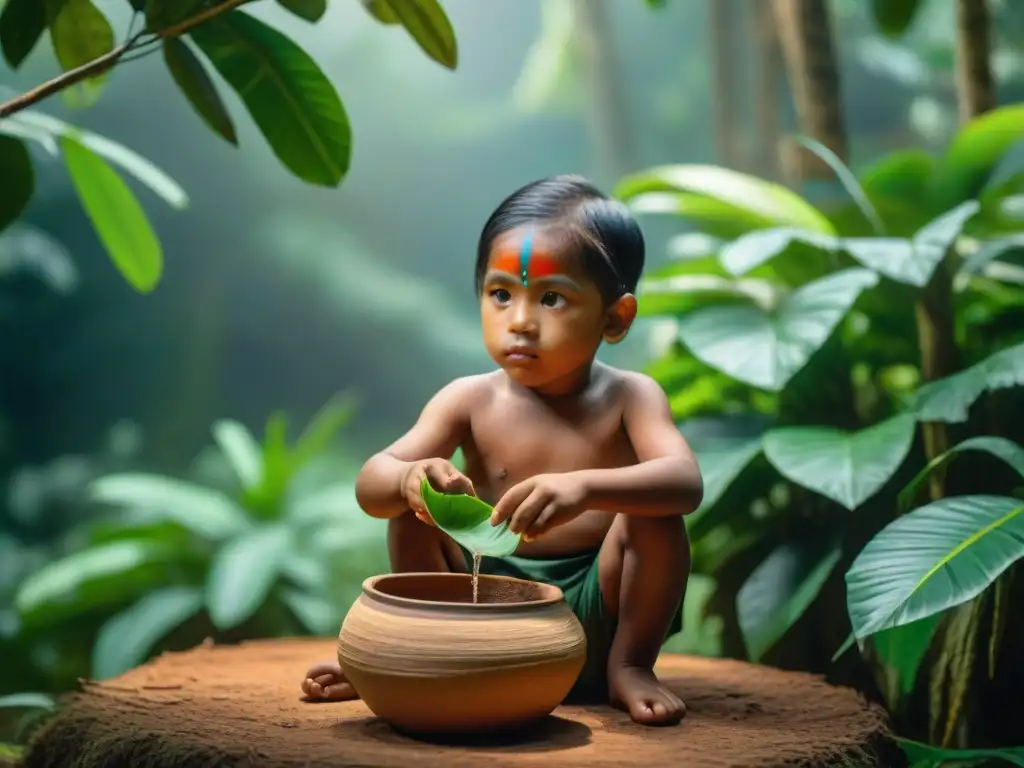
x=541 y=265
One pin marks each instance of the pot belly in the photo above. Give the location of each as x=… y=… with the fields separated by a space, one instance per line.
x=441 y=670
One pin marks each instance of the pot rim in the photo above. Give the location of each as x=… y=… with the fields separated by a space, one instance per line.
x=554 y=595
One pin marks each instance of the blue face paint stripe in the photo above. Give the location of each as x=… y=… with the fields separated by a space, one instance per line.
x=524 y=257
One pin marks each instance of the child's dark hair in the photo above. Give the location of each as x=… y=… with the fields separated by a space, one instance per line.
x=601 y=229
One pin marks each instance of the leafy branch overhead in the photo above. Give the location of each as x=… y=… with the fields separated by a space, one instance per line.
x=204 y=43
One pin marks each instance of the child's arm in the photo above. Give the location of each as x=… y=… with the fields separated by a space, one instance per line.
x=388 y=484
x=666 y=479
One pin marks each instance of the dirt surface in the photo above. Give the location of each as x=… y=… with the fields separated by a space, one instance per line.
x=241 y=706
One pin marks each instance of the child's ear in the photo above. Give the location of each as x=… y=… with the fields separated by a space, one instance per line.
x=620 y=318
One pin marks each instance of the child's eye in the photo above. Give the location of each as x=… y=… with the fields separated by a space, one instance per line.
x=501 y=295
x=554 y=300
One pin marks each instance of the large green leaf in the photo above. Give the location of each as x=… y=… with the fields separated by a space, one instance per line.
x=902 y=648
x=323 y=428
x=427 y=23
x=18 y=179
x=116 y=215
x=243 y=572
x=162 y=14
x=99 y=575
x=912 y=261
x=780 y=590
x=126 y=639
x=894 y=17
x=847 y=467
x=766 y=347
x=903 y=174
x=44 y=128
x=241 y=450
x=682 y=294
x=193 y=81
x=720 y=464
x=292 y=102
x=928 y=756
x=467 y=520
x=931 y=559
x=950 y=399
x=999 y=447
x=81 y=34
x=713 y=217
x=207 y=513
x=310 y=10
x=759 y=200
x=22 y=23
x=970 y=158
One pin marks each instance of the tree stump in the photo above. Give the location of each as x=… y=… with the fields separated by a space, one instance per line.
x=241 y=706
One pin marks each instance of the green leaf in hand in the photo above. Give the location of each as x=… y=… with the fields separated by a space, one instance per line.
x=467 y=519
x=290 y=99
x=931 y=559
x=116 y=215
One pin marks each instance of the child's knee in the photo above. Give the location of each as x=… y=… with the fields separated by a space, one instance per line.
x=666 y=533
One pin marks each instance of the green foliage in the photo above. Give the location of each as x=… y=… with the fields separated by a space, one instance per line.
x=175 y=555
x=803 y=318
x=894 y=17
x=293 y=104
x=467 y=520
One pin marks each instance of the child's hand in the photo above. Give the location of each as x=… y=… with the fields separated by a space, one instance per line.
x=443 y=477
x=537 y=505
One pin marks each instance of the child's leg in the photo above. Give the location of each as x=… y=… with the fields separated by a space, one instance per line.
x=413 y=546
x=644 y=565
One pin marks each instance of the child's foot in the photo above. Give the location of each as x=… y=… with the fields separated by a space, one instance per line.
x=640 y=693
x=326 y=682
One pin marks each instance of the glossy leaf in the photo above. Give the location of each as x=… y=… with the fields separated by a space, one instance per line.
x=207 y=513
x=779 y=591
x=18 y=179
x=99 y=575
x=713 y=217
x=316 y=614
x=998 y=447
x=934 y=558
x=989 y=251
x=310 y=10
x=720 y=464
x=950 y=399
x=242 y=451
x=467 y=520
x=381 y=11
x=920 y=754
x=80 y=34
x=290 y=99
x=974 y=152
x=894 y=17
x=847 y=467
x=730 y=192
x=753 y=249
x=903 y=174
x=903 y=648
x=47 y=127
x=126 y=639
x=193 y=81
x=428 y=24
x=767 y=347
x=323 y=428
x=243 y=572
x=682 y=294
x=22 y=23
x=116 y=215
x=163 y=14
x=27 y=701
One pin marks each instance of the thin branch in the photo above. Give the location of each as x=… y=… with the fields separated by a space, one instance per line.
x=107 y=61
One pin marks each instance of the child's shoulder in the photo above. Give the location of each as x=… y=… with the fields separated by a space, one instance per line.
x=469 y=390
x=630 y=383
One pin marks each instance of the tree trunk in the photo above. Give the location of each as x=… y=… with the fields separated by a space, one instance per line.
x=936 y=325
x=724 y=85
x=805 y=32
x=609 y=128
x=767 y=118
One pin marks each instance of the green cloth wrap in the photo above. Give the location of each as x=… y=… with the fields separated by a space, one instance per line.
x=577 y=577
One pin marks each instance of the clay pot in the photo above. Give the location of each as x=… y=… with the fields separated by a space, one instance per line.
x=425 y=658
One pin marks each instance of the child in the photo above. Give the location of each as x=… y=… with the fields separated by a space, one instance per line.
x=582 y=459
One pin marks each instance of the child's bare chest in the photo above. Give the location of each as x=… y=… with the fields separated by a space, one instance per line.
x=512 y=442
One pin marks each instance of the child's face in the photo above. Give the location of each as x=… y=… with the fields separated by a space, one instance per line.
x=545 y=333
